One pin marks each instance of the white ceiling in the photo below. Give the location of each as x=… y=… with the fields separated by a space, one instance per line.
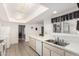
x=20 y=12
x=23 y=13
x=59 y=7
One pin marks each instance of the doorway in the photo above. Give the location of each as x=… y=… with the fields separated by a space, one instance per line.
x=21 y=34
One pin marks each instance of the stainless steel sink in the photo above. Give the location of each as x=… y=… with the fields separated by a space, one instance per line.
x=58 y=42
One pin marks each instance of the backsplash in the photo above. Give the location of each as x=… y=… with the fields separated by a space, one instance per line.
x=67 y=37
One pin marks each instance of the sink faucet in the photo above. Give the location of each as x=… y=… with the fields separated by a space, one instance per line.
x=57 y=39
x=60 y=41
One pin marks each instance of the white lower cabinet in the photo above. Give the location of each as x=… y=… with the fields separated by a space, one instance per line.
x=36 y=45
x=57 y=52
x=54 y=54
x=70 y=54
x=46 y=51
x=1 y=50
x=49 y=50
x=32 y=43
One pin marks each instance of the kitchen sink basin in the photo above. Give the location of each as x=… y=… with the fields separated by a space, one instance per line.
x=51 y=41
x=59 y=42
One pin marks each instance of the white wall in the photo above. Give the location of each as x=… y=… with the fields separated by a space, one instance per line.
x=13 y=33
x=48 y=28
x=32 y=31
x=9 y=32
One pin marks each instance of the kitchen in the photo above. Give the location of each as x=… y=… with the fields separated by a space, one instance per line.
x=50 y=29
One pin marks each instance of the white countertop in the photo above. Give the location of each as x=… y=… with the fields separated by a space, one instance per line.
x=72 y=47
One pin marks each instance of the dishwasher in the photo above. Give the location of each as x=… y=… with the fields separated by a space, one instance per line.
x=39 y=47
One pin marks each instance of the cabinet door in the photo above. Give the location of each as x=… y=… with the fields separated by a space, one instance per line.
x=70 y=54
x=30 y=42
x=54 y=50
x=33 y=43
x=54 y=54
x=46 y=52
x=1 y=50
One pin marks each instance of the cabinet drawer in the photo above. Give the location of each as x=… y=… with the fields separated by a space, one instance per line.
x=70 y=54
x=59 y=51
x=54 y=49
x=54 y=54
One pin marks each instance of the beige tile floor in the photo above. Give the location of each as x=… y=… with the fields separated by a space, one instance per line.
x=21 y=49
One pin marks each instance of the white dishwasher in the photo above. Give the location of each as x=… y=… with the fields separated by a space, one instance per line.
x=39 y=46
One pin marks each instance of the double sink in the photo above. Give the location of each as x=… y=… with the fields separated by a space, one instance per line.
x=58 y=42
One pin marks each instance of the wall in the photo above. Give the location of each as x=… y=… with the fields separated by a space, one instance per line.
x=48 y=28
x=30 y=30
x=9 y=32
x=48 y=25
x=14 y=33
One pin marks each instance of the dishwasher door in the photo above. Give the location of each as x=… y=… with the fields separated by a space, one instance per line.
x=39 y=47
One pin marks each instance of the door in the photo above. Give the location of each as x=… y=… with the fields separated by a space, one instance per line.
x=21 y=34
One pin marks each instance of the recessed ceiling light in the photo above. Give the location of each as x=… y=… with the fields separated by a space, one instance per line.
x=54 y=12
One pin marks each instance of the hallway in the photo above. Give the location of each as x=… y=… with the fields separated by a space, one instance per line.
x=21 y=49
